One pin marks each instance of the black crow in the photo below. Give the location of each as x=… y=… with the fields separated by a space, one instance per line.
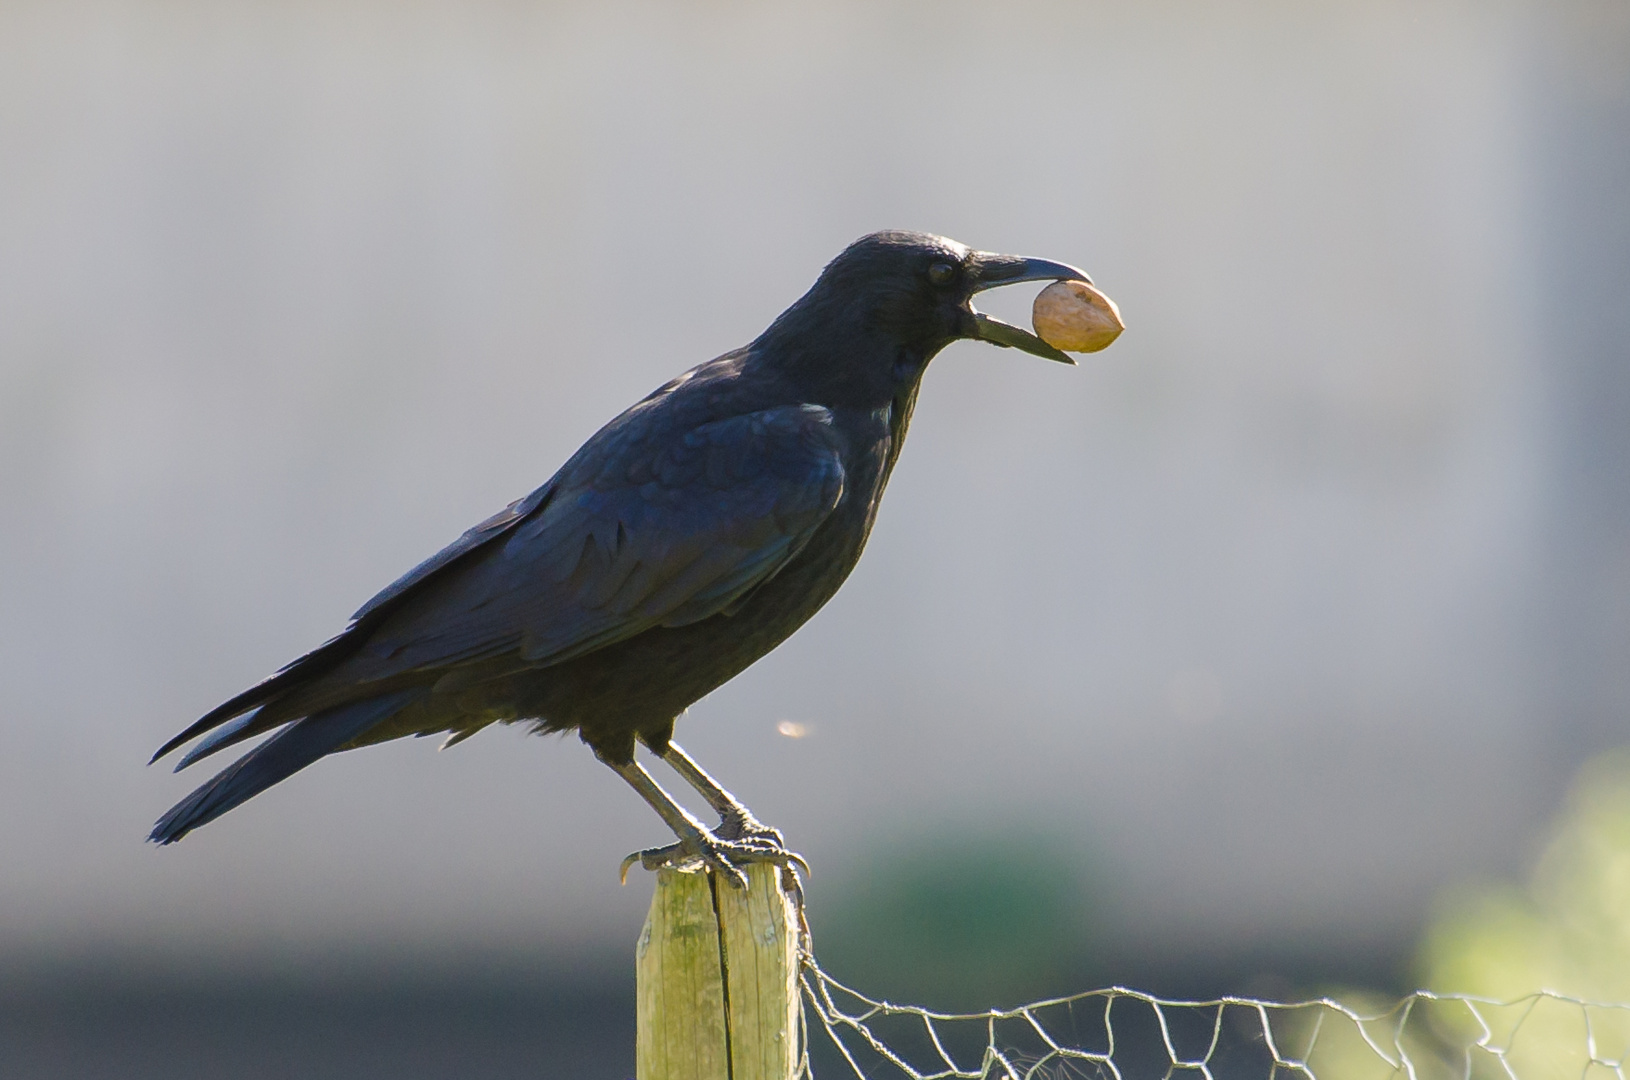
x=686 y=539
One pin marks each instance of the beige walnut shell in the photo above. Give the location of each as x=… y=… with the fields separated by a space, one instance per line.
x=1076 y=317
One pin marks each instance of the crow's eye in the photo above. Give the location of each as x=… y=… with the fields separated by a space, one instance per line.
x=941 y=273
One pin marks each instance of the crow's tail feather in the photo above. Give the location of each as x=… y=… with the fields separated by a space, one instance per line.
x=278 y=758
x=228 y=734
x=323 y=658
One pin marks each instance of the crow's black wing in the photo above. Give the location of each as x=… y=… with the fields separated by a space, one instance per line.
x=642 y=529
x=473 y=538
x=645 y=526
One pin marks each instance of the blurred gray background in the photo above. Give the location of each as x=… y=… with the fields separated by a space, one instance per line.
x=1205 y=665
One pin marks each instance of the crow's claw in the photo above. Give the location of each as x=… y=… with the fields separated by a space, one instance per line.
x=748 y=829
x=724 y=855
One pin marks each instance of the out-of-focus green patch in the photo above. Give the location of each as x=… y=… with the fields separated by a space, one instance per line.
x=962 y=921
x=1567 y=932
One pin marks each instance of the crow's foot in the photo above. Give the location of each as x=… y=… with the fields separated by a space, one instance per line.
x=740 y=824
x=724 y=854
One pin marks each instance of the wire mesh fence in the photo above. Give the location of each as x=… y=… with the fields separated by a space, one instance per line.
x=1130 y=1035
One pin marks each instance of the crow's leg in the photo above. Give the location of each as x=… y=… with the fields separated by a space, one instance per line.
x=736 y=822
x=696 y=842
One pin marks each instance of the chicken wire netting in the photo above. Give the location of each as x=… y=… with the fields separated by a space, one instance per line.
x=1125 y=1034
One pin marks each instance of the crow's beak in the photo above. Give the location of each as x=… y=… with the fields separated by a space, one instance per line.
x=990 y=271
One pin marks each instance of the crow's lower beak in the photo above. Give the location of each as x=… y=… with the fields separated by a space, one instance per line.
x=993 y=270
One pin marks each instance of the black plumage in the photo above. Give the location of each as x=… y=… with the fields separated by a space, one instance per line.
x=683 y=541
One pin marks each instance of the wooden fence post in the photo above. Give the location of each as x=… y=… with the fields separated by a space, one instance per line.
x=717 y=980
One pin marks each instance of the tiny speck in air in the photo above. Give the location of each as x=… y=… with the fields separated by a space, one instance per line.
x=792 y=729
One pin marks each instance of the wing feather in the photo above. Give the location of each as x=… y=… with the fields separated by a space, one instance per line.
x=666 y=533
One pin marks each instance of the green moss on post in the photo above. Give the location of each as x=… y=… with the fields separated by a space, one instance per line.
x=718 y=980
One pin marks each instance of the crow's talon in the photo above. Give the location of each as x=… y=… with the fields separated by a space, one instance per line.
x=723 y=855
x=748 y=829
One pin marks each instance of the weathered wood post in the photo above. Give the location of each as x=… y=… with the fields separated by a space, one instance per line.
x=717 y=977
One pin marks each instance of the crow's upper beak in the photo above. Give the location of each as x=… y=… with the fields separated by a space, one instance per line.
x=989 y=271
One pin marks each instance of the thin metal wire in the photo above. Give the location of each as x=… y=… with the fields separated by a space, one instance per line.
x=1460 y=1044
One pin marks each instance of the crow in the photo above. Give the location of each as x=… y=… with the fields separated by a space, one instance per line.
x=687 y=538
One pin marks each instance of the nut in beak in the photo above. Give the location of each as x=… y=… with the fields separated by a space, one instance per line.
x=1074 y=316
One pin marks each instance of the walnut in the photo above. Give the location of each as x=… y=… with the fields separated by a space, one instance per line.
x=1074 y=316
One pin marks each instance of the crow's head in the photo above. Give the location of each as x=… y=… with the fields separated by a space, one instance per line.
x=890 y=301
